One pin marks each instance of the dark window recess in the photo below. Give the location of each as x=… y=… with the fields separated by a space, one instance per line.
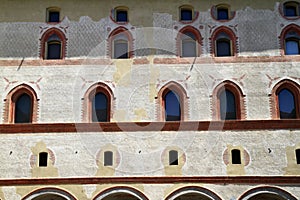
x=108 y=158
x=287 y=106
x=172 y=107
x=121 y=16
x=43 y=159
x=173 y=157
x=54 y=50
x=223 y=48
x=53 y=16
x=298 y=156
x=186 y=15
x=227 y=105
x=99 y=108
x=290 y=11
x=23 y=109
x=222 y=14
x=236 y=156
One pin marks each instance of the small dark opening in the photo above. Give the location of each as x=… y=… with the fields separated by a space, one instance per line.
x=108 y=158
x=121 y=16
x=236 y=156
x=43 y=158
x=222 y=13
x=290 y=11
x=223 y=48
x=53 y=16
x=173 y=157
x=186 y=15
x=298 y=156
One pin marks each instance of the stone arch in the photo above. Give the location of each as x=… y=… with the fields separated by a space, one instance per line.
x=189 y=192
x=114 y=192
x=44 y=193
x=267 y=193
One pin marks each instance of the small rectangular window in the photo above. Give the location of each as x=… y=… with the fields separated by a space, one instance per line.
x=222 y=14
x=173 y=158
x=186 y=15
x=121 y=16
x=236 y=156
x=108 y=158
x=53 y=16
x=120 y=49
x=298 y=156
x=43 y=159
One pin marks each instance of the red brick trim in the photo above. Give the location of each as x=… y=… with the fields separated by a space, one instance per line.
x=246 y=180
x=231 y=14
x=49 y=189
x=12 y=97
x=228 y=125
x=267 y=189
x=180 y=91
x=88 y=98
x=274 y=104
x=286 y=30
x=193 y=189
x=112 y=36
x=45 y=37
x=196 y=33
x=230 y=34
x=239 y=100
x=122 y=188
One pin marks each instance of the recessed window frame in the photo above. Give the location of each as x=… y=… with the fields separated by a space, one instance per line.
x=53 y=10
x=120 y=33
x=180 y=91
x=294 y=88
x=188 y=8
x=239 y=100
x=58 y=37
x=184 y=35
x=297 y=156
x=13 y=96
x=221 y=7
x=223 y=34
x=289 y=33
x=88 y=99
x=290 y=4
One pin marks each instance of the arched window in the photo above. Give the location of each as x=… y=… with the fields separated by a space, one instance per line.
x=291 y=9
x=121 y=44
x=21 y=105
x=228 y=102
x=172 y=106
x=227 y=105
x=223 y=41
x=285 y=100
x=173 y=157
x=172 y=103
x=98 y=100
x=236 y=156
x=23 y=109
x=189 y=42
x=290 y=39
x=99 y=108
x=43 y=159
x=108 y=158
x=53 y=44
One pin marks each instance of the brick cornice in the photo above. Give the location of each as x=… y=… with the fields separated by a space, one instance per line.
x=247 y=180
x=151 y=126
